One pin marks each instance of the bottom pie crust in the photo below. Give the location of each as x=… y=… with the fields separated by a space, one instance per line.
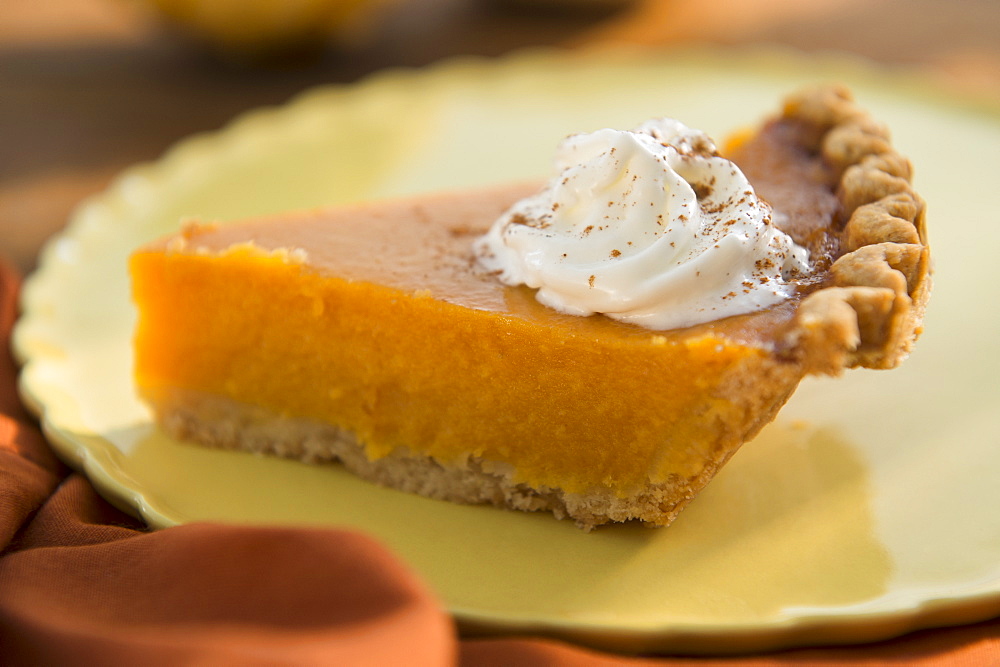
x=222 y=423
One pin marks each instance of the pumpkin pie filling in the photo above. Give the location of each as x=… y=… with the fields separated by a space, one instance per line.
x=370 y=334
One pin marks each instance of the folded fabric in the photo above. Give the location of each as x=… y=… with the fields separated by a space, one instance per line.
x=82 y=583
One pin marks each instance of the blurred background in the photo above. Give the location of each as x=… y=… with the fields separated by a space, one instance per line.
x=88 y=87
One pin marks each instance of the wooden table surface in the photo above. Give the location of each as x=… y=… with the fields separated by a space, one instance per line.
x=88 y=87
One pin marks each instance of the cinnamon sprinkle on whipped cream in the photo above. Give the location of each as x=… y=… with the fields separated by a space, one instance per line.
x=650 y=227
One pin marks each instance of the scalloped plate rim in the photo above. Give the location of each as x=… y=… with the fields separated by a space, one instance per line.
x=786 y=631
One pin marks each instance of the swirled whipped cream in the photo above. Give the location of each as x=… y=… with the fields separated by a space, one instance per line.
x=651 y=227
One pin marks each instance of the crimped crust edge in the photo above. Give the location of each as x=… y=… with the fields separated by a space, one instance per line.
x=870 y=310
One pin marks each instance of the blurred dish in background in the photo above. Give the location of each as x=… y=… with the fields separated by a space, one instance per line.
x=583 y=5
x=266 y=29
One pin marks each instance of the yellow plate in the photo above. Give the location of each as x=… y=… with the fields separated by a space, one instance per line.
x=870 y=507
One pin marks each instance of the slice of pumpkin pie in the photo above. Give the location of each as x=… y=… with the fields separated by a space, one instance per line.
x=597 y=346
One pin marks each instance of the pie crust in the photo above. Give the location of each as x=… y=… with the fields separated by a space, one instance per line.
x=869 y=310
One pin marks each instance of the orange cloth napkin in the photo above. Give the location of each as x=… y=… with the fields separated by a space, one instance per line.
x=82 y=584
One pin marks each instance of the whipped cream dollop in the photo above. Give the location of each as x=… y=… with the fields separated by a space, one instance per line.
x=650 y=227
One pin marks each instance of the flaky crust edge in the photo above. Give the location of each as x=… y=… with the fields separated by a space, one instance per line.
x=870 y=309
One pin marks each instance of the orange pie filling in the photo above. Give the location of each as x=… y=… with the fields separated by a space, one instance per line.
x=568 y=402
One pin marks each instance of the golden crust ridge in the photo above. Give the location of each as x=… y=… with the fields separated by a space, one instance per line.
x=870 y=310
